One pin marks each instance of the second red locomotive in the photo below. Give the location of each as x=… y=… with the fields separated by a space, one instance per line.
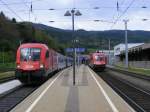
x=98 y=61
x=36 y=61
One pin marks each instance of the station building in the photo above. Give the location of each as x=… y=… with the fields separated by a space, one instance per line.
x=139 y=55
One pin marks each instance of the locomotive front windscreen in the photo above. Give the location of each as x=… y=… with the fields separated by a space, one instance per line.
x=98 y=58
x=32 y=54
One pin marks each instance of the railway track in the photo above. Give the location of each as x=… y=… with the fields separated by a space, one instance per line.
x=138 y=98
x=11 y=99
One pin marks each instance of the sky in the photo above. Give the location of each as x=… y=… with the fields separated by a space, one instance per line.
x=111 y=14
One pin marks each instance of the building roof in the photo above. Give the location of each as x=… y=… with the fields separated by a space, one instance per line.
x=118 y=49
x=140 y=47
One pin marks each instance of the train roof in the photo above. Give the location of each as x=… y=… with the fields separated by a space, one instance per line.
x=98 y=53
x=33 y=45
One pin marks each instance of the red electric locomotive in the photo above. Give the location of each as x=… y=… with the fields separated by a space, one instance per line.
x=34 y=62
x=98 y=61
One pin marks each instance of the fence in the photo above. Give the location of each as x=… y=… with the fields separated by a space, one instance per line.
x=136 y=64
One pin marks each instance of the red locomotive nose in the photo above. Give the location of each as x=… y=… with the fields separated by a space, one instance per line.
x=27 y=66
x=36 y=62
x=97 y=61
x=29 y=58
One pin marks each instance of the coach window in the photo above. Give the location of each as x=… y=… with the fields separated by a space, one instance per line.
x=47 y=54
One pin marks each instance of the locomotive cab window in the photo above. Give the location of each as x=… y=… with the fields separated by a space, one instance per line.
x=47 y=54
x=98 y=58
x=30 y=54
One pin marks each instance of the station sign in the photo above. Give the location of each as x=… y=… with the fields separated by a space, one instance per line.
x=77 y=49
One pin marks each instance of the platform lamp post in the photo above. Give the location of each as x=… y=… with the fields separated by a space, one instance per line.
x=73 y=13
x=109 y=62
x=126 y=43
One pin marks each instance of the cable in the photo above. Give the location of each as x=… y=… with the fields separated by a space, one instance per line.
x=86 y=8
x=18 y=3
x=30 y=10
x=123 y=13
x=119 y=7
x=96 y=20
x=115 y=20
x=12 y=10
x=60 y=9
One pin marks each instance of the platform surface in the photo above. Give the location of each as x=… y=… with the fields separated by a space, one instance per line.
x=90 y=94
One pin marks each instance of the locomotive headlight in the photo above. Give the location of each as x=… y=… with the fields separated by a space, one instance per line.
x=41 y=66
x=18 y=66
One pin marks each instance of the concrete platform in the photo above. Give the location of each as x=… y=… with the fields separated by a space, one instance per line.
x=90 y=94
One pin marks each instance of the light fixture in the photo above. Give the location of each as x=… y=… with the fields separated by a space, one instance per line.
x=51 y=9
x=78 y=13
x=67 y=13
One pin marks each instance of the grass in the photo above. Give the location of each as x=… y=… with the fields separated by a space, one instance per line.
x=140 y=70
x=5 y=66
x=135 y=70
x=7 y=74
